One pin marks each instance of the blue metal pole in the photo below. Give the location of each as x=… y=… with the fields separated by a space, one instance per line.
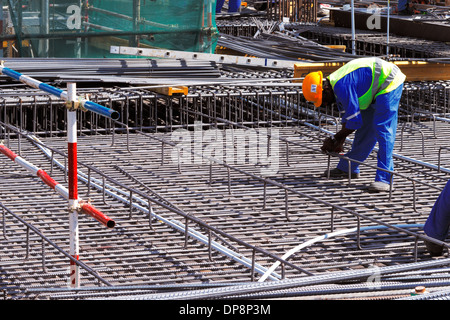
x=86 y=104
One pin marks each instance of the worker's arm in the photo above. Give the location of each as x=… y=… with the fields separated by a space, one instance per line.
x=336 y=144
x=342 y=134
x=346 y=93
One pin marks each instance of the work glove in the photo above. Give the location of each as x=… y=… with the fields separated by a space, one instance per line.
x=331 y=145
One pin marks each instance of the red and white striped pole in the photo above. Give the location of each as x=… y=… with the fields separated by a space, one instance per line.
x=73 y=184
x=74 y=204
x=84 y=206
x=35 y=170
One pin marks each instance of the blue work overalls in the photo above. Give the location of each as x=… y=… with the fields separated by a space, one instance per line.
x=233 y=5
x=376 y=123
x=438 y=222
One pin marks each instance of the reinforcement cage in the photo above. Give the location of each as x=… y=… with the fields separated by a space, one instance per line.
x=295 y=10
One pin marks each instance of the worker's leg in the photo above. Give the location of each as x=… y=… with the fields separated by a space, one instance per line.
x=363 y=142
x=234 y=5
x=385 y=122
x=438 y=222
x=219 y=5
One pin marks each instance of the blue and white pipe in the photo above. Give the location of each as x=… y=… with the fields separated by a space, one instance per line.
x=86 y=104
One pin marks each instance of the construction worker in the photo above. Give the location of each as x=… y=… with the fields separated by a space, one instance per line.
x=233 y=5
x=438 y=222
x=367 y=92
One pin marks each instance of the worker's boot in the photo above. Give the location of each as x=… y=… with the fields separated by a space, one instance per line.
x=434 y=249
x=338 y=173
x=379 y=186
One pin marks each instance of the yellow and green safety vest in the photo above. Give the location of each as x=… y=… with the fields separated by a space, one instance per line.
x=386 y=77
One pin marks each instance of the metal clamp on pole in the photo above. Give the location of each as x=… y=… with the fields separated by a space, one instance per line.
x=74 y=106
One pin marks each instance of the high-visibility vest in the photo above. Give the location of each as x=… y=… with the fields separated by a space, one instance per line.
x=386 y=77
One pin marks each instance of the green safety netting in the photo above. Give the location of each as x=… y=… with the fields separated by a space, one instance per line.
x=87 y=29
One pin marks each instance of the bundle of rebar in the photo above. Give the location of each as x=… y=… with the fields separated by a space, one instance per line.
x=62 y=68
x=282 y=46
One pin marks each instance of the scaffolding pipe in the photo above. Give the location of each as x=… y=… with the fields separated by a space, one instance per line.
x=83 y=103
x=84 y=206
x=353 y=26
x=73 y=185
x=387 y=28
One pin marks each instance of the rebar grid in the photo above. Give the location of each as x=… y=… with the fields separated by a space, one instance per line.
x=233 y=201
x=276 y=205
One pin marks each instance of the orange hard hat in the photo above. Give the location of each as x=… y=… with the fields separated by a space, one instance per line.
x=312 y=87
